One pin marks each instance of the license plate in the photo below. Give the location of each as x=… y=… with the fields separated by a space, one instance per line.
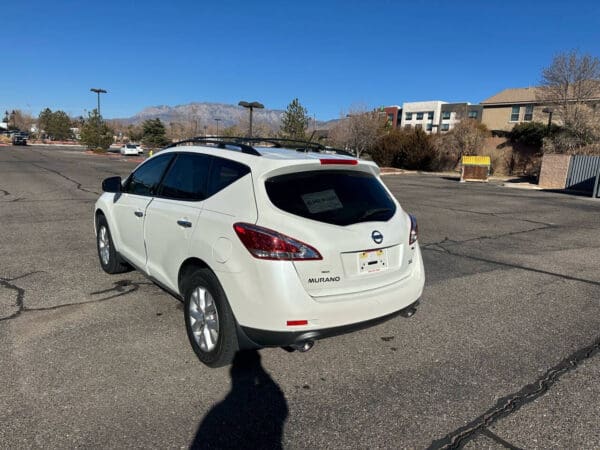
x=372 y=261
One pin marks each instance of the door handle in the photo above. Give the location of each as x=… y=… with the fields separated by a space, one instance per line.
x=139 y=213
x=184 y=223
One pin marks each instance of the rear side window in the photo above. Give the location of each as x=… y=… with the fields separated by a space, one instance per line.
x=144 y=181
x=337 y=197
x=224 y=172
x=187 y=178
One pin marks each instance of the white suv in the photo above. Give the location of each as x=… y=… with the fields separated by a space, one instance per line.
x=267 y=246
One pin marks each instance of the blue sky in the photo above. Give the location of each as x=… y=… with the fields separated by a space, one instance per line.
x=329 y=54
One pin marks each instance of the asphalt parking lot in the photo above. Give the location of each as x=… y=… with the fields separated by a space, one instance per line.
x=503 y=352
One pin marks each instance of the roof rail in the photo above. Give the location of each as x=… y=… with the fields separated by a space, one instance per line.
x=244 y=148
x=277 y=142
x=244 y=144
x=296 y=144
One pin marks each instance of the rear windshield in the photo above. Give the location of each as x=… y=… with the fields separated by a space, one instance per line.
x=338 y=197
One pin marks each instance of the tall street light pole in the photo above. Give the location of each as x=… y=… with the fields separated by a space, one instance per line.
x=98 y=91
x=251 y=106
x=217 y=120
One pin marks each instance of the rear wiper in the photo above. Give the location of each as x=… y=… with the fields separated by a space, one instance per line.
x=374 y=212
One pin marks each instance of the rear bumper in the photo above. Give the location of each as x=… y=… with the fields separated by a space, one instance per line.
x=273 y=294
x=255 y=338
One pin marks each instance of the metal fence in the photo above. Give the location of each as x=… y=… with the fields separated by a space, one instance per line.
x=584 y=174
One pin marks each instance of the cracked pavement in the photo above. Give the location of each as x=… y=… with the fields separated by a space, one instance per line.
x=503 y=352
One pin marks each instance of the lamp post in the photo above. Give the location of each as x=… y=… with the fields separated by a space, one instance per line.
x=98 y=91
x=251 y=106
x=217 y=120
x=549 y=111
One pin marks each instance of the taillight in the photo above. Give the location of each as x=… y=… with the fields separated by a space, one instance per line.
x=263 y=243
x=414 y=230
x=348 y=162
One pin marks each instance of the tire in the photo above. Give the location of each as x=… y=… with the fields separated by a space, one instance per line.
x=110 y=260
x=209 y=321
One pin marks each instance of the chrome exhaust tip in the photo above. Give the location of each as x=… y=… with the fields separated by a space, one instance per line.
x=301 y=347
x=306 y=346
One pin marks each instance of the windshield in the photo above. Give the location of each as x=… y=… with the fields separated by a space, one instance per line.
x=338 y=197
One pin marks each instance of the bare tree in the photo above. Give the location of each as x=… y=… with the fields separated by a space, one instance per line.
x=466 y=138
x=22 y=120
x=359 y=130
x=569 y=83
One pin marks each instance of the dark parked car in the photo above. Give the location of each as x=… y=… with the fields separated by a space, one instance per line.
x=19 y=139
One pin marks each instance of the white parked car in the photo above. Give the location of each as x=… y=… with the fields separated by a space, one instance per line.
x=266 y=246
x=131 y=149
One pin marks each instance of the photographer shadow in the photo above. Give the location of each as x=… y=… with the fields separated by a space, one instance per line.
x=251 y=415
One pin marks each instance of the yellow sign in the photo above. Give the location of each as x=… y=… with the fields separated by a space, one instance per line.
x=476 y=160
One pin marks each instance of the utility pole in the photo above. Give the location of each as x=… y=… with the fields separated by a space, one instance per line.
x=217 y=120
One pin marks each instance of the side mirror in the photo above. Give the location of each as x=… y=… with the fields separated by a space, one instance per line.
x=112 y=184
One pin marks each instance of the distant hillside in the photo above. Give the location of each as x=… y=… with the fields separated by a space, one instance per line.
x=206 y=113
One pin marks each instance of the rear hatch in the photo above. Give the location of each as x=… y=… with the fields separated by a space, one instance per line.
x=351 y=219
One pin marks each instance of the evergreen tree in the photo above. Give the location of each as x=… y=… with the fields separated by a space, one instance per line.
x=154 y=134
x=56 y=125
x=44 y=120
x=95 y=133
x=295 y=121
x=60 y=126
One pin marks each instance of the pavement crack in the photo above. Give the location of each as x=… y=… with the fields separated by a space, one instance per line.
x=493 y=214
x=121 y=287
x=75 y=182
x=25 y=275
x=6 y=283
x=513 y=402
x=446 y=240
x=431 y=247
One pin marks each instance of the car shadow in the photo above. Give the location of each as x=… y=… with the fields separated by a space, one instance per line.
x=251 y=415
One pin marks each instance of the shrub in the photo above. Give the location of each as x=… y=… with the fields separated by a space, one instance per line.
x=407 y=149
x=385 y=149
x=532 y=134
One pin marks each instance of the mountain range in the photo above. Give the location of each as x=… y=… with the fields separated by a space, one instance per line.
x=206 y=113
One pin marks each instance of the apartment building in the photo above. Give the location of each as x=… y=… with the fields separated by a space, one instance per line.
x=434 y=116
x=424 y=115
x=502 y=111
x=453 y=113
x=393 y=114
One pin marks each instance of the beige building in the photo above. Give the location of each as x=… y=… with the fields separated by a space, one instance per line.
x=512 y=106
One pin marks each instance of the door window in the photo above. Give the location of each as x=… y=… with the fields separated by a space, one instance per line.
x=145 y=180
x=187 y=178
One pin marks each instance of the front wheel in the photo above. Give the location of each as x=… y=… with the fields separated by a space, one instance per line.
x=209 y=321
x=109 y=258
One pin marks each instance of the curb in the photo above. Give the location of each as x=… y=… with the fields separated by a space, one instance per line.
x=114 y=156
x=529 y=186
